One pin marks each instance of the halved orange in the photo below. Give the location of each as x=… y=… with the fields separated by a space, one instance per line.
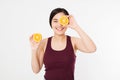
x=37 y=37
x=64 y=20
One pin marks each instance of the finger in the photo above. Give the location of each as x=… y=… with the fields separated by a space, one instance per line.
x=31 y=37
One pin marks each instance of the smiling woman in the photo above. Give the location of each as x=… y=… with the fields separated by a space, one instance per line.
x=58 y=52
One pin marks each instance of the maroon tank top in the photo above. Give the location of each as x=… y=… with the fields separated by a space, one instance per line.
x=59 y=65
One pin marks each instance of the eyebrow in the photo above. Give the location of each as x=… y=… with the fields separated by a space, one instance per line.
x=55 y=19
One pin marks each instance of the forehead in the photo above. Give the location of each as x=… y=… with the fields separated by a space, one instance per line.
x=58 y=15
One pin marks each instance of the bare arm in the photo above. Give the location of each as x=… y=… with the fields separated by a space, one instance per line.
x=84 y=42
x=37 y=55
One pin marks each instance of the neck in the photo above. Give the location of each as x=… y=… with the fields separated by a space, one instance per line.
x=59 y=37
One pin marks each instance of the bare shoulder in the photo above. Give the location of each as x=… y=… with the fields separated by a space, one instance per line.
x=42 y=47
x=73 y=40
x=43 y=41
x=43 y=44
x=76 y=42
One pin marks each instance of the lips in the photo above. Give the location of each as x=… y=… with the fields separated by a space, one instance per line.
x=59 y=28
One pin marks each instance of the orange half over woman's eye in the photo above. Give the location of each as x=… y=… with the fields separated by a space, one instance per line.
x=37 y=37
x=64 y=20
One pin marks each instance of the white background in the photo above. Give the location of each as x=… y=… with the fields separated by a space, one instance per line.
x=100 y=19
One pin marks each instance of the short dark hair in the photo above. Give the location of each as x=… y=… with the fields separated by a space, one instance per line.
x=55 y=11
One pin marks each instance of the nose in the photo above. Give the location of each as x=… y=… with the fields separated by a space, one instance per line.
x=60 y=25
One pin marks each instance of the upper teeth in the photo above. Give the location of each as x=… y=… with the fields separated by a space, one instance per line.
x=59 y=28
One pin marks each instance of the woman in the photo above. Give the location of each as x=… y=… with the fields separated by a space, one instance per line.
x=58 y=52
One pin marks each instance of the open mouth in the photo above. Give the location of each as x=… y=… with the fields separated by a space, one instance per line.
x=59 y=28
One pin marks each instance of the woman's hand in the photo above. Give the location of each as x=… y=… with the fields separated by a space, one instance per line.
x=72 y=22
x=34 y=45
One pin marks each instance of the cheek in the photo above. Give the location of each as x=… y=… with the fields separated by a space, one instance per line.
x=54 y=24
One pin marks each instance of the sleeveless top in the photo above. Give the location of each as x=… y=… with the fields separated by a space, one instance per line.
x=59 y=65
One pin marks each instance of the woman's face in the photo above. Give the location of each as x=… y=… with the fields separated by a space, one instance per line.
x=56 y=26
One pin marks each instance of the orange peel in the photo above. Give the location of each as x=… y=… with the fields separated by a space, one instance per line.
x=37 y=37
x=64 y=20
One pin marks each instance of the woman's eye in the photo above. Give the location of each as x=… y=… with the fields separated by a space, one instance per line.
x=55 y=21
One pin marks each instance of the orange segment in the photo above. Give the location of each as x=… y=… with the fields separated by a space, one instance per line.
x=37 y=37
x=64 y=20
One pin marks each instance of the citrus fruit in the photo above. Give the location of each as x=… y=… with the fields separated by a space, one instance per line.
x=63 y=20
x=37 y=37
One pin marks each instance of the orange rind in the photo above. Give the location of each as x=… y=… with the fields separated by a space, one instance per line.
x=64 y=20
x=37 y=37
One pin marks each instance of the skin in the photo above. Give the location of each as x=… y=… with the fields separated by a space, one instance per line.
x=82 y=43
